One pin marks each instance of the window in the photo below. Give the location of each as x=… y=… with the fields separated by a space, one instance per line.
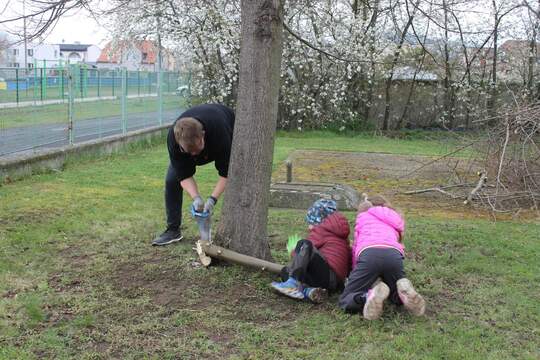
x=15 y=65
x=55 y=54
x=30 y=65
x=30 y=52
x=144 y=56
x=15 y=52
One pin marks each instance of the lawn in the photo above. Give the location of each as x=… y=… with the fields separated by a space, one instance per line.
x=55 y=92
x=58 y=113
x=79 y=279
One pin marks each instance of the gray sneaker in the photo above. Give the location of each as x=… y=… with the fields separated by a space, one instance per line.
x=413 y=301
x=168 y=237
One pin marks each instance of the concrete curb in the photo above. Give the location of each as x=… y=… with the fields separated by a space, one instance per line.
x=18 y=166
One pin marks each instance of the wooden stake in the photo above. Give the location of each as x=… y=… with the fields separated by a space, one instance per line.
x=208 y=251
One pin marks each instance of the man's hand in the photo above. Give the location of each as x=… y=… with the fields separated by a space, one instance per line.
x=198 y=204
x=209 y=205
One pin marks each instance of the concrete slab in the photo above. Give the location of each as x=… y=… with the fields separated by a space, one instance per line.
x=301 y=195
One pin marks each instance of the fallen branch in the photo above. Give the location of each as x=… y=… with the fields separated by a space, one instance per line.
x=439 y=189
x=439 y=158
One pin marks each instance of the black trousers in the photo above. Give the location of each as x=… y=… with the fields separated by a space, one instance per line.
x=386 y=263
x=309 y=267
x=173 y=199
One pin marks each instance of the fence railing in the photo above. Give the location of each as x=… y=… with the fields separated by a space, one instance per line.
x=50 y=107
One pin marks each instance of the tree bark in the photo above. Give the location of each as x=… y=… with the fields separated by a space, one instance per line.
x=245 y=209
x=397 y=52
x=493 y=86
x=448 y=91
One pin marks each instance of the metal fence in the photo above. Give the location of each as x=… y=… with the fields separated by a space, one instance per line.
x=52 y=107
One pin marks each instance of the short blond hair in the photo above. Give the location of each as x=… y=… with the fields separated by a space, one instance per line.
x=187 y=132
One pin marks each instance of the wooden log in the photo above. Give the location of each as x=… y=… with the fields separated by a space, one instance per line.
x=207 y=250
x=205 y=260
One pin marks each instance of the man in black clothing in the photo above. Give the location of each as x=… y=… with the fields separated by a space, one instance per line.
x=200 y=135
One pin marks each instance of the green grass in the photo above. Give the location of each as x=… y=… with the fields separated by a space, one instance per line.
x=78 y=278
x=54 y=92
x=58 y=113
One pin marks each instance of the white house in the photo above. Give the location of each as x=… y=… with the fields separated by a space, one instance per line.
x=48 y=55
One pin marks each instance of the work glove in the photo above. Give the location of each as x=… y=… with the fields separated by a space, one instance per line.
x=198 y=204
x=209 y=205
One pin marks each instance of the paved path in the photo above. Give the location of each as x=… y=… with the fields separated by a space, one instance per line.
x=30 y=138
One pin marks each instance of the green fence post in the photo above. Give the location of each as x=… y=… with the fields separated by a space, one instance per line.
x=41 y=87
x=113 y=71
x=123 y=100
x=44 y=80
x=127 y=82
x=98 y=81
x=70 y=102
x=62 y=74
x=160 y=96
x=35 y=80
x=168 y=82
x=189 y=88
x=81 y=81
x=17 y=84
x=138 y=83
x=85 y=80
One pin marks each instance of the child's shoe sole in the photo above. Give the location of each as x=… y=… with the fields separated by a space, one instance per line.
x=374 y=304
x=412 y=301
x=318 y=295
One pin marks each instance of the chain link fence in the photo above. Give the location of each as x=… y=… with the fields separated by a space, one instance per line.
x=53 y=107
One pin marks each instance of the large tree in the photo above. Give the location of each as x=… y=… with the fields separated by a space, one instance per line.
x=245 y=210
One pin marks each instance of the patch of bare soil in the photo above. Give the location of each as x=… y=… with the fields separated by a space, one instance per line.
x=164 y=282
x=392 y=175
x=172 y=284
x=33 y=216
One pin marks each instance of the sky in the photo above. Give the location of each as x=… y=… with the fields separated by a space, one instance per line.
x=75 y=26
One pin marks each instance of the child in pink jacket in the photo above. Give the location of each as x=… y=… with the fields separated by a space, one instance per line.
x=378 y=254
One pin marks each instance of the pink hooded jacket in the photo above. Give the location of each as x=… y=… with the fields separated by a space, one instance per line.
x=379 y=226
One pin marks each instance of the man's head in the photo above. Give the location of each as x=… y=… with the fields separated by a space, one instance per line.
x=189 y=135
x=319 y=211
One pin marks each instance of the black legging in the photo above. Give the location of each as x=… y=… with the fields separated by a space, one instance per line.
x=372 y=263
x=173 y=199
x=309 y=267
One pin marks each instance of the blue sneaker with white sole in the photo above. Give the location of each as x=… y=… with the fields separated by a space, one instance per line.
x=290 y=288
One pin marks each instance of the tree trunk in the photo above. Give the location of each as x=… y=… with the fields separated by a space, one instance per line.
x=533 y=54
x=397 y=52
x=372 y=66
x=448 y=91
x=492 y=101
x=245 y=209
